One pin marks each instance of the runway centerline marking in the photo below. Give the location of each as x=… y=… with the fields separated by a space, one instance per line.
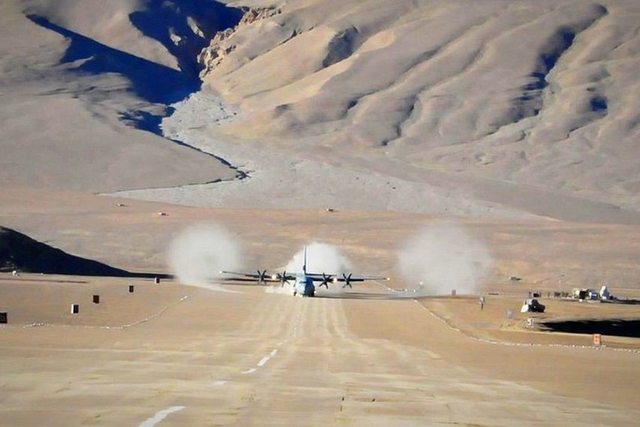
x=266 y=358
x=161 y=415
x=261 y=363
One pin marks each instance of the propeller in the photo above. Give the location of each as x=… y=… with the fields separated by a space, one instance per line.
x=283 y=278
x=325 y=281
x=347 y=280
x=261 y=277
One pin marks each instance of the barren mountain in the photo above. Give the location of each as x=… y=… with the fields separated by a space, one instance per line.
x=488 y=107
x=541 y=94
x=83 y=87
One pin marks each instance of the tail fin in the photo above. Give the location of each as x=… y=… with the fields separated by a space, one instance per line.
x=304 y=265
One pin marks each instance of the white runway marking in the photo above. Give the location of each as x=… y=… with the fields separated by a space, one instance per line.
x=221 y=382
x=262 y=362
x=161 y=415
x=266 y=358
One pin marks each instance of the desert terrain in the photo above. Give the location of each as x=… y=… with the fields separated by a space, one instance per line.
x=486 y=147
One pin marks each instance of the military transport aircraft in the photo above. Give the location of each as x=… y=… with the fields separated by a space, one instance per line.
x=304 y=282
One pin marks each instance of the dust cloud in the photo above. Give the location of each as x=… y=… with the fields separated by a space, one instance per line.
x=198 y=253
x=443 y=257
x=321 y=258
x=286 y=289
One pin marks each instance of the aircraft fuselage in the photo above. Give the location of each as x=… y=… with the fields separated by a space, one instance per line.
x=304 y=286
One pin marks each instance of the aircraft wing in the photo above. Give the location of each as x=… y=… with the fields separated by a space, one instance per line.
x=260 y=276
x=345 y=278
x=351 y=278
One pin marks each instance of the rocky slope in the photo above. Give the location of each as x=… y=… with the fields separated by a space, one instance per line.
x=538 y=93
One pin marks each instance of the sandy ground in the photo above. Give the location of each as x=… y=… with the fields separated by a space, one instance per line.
x=361 y=356
x=253 y=358
x=552 y=197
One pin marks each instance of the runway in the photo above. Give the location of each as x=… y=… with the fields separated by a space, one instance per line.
x=254 y=358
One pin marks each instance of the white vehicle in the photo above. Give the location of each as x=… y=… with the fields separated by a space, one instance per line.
x=532 y=305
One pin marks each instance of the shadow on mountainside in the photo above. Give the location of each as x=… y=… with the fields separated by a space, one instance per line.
x=151 y=81
x=19 y=252
x=184 y=28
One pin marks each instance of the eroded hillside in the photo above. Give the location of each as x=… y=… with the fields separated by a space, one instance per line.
x=84 y=85
x=539 y=93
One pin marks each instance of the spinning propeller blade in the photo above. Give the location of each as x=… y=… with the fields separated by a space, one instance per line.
x=262 y=274
x=347 y=280
x=325 y=281
x=283 y=278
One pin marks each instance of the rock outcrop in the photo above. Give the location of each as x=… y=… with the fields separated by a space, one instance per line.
x=222 y=42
